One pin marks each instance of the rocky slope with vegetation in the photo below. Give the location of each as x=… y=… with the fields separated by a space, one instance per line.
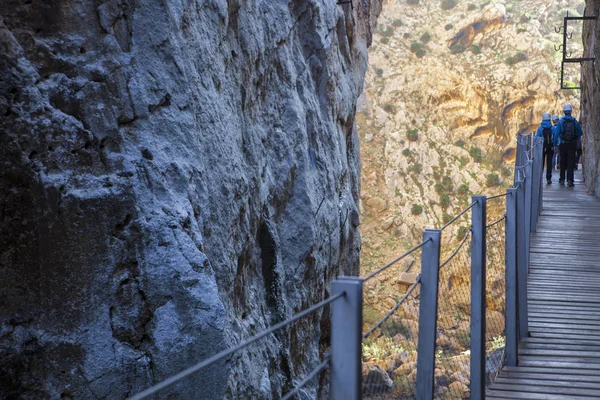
x=175 y=177
x=450 y=85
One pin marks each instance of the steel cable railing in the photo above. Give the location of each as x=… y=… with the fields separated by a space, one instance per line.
x=495 y=335
x=227 y=352
x=322 y=366
x=386 y=266
x=452 y=361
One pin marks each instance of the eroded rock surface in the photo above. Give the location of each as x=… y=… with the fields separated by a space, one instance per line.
x=175 y=176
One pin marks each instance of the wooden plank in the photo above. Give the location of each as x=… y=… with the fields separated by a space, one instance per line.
x=533 y=388
x=517 y=380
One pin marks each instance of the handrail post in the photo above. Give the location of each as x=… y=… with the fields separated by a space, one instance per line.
x=538 y=148
x=510 y=247
x=346 y=340
x=522 y=251
x=478 y=302
x=430 y=267
x=528 y=209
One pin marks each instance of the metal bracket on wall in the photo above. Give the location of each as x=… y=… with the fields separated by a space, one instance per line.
x=566 y=56
x=342 y=2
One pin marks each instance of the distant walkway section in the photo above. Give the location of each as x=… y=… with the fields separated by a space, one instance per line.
x=561 y=358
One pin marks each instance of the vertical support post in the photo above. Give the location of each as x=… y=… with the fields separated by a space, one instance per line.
x=478 y=303
x=522 y=251
x=519 y=157
x=528 y=209
x=511 y=278
x=430 y=267
x=538 y=149
x=346 y=340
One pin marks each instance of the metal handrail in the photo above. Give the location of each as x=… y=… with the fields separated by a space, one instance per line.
x=186 y=372
x=496 y=222
x=309 y=377
x=386 y=266
x=455 y=252
x=458 y=216
x=488 y=198
x=393 y=310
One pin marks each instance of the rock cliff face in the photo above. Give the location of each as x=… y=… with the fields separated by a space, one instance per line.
x=590 y=100
x=175 y=176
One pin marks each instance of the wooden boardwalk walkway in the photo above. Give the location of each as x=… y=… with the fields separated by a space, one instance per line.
x=561 y=359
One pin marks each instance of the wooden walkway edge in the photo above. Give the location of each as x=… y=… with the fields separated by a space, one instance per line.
x=561 y=359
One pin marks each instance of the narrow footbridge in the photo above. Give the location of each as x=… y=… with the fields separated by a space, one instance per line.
x=504 y=304
x=559 y=355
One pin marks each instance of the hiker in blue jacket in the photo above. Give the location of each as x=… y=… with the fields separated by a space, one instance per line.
x=568 y=130
x=545 y=131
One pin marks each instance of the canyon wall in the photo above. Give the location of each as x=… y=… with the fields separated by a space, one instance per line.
x=175 y=177
x=590 y=100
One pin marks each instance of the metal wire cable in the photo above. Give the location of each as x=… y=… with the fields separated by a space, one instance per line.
x=455 y=252
x=496 y=222
x=372 y=274
x=309 y=377
x=175 y=378
x=393 y=310
x=458 y=216
x=496 y=196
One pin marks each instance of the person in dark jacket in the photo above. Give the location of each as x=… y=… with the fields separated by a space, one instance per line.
x=545 y=131
x=568 y=130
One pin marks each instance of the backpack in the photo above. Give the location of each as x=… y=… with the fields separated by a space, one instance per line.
x=568 y=132
x=548 y=142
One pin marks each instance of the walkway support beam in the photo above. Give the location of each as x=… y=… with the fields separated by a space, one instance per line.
x=511 y=287
x=478 y=302
x=346 y=339
x=430 y=268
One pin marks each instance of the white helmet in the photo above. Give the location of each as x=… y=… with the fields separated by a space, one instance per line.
x=567 y=108
x=555 y=118
x=546 y=117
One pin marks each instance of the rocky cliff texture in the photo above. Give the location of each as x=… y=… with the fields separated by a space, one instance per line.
x=175 y=176
x=590 y=100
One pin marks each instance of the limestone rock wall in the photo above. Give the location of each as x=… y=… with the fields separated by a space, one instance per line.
x=590 y=100
x=175 y=176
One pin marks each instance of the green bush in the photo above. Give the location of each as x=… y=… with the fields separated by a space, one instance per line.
x=388 y=32
x=406 y=35
x=475 y=152
x=446 y=218
x=445 y=201
x=512 y=60
x=384 y=40
x=475 y=49
x=457 y=48
x=492 y=180
x=448 y=4
x=420 y=53
x=448 y=27
x=415 y=168
x=389 y=109
x=412 y=135
x=397 y=23
x=406 y=153
x=471 y=7
x=426 y=37
x=416 y=209
x=460 y=143
x=462 y=231
x=416 y=46
x=412 y=2
x=463 y=190
x=379 y=72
